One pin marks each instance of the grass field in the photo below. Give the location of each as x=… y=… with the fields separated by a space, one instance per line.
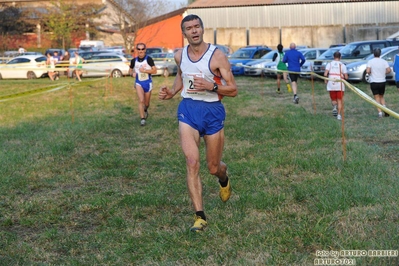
x=82 y=183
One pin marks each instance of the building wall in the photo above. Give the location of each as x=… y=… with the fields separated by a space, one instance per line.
x=353 y=13
x=314 y=25
x=166 y=33
x=312 y=36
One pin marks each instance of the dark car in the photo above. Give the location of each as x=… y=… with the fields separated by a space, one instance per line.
x=87 y=55
x=354 y=51
x=61 y=52
x=151 y=50
x=244 y=55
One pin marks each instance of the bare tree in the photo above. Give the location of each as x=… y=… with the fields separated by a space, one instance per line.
x=132 y=15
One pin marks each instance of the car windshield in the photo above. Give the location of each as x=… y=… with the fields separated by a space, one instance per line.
x=243 y=53
x=329 y=54
x=347 y=50
x=269 y=55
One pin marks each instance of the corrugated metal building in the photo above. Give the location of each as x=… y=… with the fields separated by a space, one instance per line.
x=313 y=23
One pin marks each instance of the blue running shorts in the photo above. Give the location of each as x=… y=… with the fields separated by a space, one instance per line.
x=147 y=86
x=206 y=117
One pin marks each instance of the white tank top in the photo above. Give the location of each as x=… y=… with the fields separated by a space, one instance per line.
x=200 y=68
x=137 y=65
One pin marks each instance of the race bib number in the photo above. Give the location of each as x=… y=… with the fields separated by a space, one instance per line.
x=143 y=76
x=188 y=84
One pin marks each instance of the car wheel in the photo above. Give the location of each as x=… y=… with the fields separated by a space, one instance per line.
x=116 y=73
x=31 y=75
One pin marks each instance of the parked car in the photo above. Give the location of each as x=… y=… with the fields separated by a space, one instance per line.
x=72 y=51
x=129 y=57
x=114 y=49
x=323 y=59
x=87 y=55
x=151 y=50
x=164 y=61
x=337 y=45
x=270 y=69
x=88 y=48
x=255 y=46
x=225 y=49
x=257 y=67
x=310 y=55
x=354 y=51
x=357 y=70
x=61 y=52
x=359 y=50
x=104 y=64
x=244 y=55
x=8 y=55
x=24 y=67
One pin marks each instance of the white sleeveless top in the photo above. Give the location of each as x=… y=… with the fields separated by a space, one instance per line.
x=200 y=68
x=139 y=75
x=335 y=70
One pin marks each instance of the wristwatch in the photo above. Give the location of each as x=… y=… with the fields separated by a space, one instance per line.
x=215 y=87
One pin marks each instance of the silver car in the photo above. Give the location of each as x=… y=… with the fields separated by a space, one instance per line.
x=319 y=65
x=104 y=64
x=310 y=55
x=357 y=70
x=258 y=67
x=165 y=63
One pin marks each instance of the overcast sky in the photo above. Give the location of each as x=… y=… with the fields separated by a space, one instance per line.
x=179 y=2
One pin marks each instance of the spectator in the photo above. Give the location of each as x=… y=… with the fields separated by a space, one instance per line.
x=21 y=50
x=78 y=62
x=57 y=59
x=65 y=62
x=377 y=69
x=51 y=65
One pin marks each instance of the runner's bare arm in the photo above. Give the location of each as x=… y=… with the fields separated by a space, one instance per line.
x=165 y=93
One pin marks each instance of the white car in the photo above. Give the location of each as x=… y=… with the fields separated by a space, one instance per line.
x=24 y=67
x=310 y=55
x=258 y=67
x=104 y=64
